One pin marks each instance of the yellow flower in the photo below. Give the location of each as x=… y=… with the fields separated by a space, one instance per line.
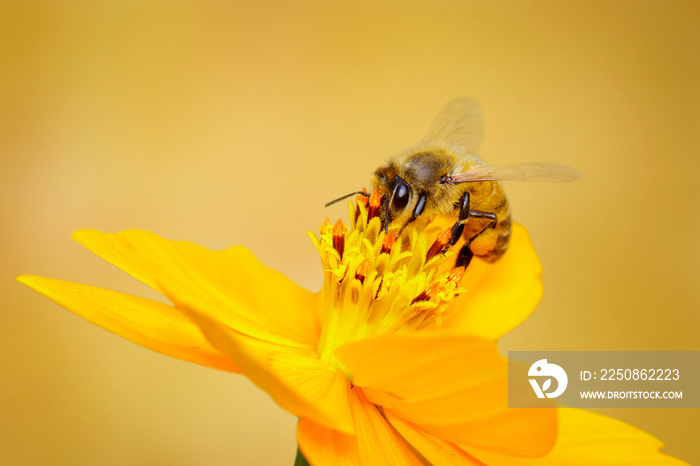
x=394 y=361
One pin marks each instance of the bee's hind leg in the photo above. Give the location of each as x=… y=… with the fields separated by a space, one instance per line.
x=464 y=257
x=482 y=240
x=465 y=213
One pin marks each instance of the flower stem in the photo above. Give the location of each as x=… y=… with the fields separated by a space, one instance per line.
x=300 y=460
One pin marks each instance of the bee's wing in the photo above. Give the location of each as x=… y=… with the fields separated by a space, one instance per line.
x=458 y=123
x=518 y=172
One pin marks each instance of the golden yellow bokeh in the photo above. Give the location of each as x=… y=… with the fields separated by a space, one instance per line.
x=227 y=123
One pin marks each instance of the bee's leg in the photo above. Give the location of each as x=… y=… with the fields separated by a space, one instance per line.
x=464 y=257
x=486 y=215
x=464 y=214
x=485 y=240
x=466 y=254
x=417 y=211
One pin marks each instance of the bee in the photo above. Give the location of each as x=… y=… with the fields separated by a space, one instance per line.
x=442 y=176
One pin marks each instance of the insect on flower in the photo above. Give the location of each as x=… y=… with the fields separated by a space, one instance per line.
x=443 y=176
x=395 y=359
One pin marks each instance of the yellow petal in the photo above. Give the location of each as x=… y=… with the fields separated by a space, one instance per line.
x=587 y=438
x=498 y=296
x=453 y=386
x=149 y=323
x=231 y=286
x=519 y=432
x=419 y=372
x=323 y=446
x=375 y=442
x=292 y=375
x=433 y=449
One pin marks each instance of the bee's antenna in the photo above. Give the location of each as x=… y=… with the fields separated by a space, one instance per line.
x=361 y=193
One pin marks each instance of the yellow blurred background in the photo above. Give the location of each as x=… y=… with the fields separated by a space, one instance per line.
x=227 y=123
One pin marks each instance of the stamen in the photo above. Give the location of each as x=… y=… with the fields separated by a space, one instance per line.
x=342 y=277
x=388 y=242
x=439 y=244
x=375 y=201
x=373 y=277
x=339 y=238
x=379 y=288
x=428 y=293
x=361 y=271
x=361 y=201
x=457 y=274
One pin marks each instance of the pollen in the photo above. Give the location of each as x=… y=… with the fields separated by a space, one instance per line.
x=485 y=242
x=376 y=282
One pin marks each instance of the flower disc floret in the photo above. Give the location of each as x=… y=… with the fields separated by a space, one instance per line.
x=378 y=281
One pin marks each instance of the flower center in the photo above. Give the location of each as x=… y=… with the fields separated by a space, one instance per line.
x=376 y=282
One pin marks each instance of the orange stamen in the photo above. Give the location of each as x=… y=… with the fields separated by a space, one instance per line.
x=339 y=237
x=388 y=242
x=439 y=244
x=375 y=201
x=457 y=274
x=361 y=271
x=428 y=293
x=362 y=200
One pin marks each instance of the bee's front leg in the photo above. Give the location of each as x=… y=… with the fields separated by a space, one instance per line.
x=417 y=211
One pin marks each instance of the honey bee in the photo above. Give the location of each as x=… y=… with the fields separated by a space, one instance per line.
x=443 y=176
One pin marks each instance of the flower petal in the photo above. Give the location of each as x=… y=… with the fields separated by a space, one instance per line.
x=231 y=285
x=453 y=386
x=149 y=323
x=522 y=432
x=374 y=443
x=292 y=375
x=323 y=446
x=498 y=296
x=417 y=371
x=433 y=449
x=587 y=438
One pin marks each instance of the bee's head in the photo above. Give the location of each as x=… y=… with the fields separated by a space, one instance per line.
x=396 y=192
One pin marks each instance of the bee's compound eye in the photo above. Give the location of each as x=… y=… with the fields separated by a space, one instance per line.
x=402 y=192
